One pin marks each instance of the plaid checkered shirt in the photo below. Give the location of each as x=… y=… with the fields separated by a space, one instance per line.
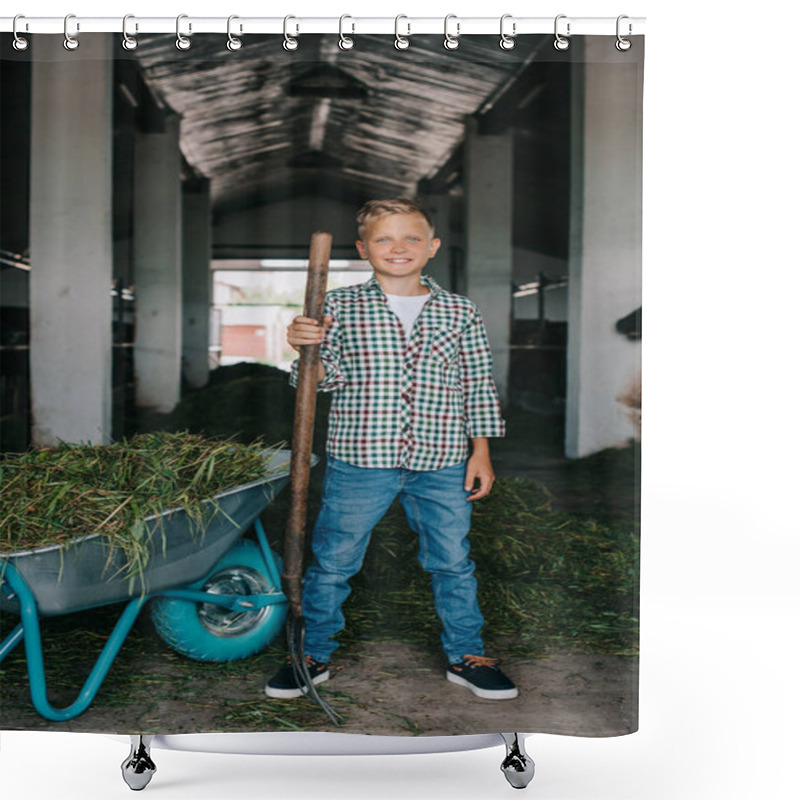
x=410 y=403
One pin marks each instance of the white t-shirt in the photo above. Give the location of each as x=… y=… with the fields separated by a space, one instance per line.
x=407 y=308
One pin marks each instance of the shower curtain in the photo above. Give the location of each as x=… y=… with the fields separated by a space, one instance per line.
x=157 y=207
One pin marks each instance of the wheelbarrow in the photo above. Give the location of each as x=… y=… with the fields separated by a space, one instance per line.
x=215 y=596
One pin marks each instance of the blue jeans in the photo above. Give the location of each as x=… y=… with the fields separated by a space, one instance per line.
x=353 y=501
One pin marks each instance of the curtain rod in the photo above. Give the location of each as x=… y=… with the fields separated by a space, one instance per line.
x=346 y=25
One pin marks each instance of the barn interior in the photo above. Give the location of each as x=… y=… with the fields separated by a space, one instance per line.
x=157 y=206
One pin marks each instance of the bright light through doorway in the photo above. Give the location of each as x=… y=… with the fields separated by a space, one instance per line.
x=253 y=305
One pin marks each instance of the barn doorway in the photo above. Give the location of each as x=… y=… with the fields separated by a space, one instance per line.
x=254 y=301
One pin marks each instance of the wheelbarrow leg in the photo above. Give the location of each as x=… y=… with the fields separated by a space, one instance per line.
x=138 y=768
x=517 y=766
x=29 y=631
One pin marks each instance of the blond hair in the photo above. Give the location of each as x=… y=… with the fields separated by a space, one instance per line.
x=374 y=209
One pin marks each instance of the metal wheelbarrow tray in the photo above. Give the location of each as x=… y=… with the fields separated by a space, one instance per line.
x=89 y=571
x=215 y=598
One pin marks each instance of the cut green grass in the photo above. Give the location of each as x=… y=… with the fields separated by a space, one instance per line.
x=56 y=495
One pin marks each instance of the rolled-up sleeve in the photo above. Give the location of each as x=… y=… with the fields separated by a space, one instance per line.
x=329 y=354
x=481 y=402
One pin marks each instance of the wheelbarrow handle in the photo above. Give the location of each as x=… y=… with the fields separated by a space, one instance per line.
x=303 y=431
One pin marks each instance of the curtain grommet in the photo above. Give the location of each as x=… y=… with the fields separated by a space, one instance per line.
x=234 y=43
x=450 y=41
x=561 y=43
x=401 y=42
x=182 y=42
x=507 y=42
x=70 y=42
x=20 y=43
x=622 y=44
x=129 y=42
x=346 y=42
x=289 y=42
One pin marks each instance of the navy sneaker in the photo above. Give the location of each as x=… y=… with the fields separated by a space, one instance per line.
x=283 y=683
x=482 y=677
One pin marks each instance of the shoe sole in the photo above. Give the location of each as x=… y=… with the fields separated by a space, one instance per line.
x=486 y=694
x=289 y=694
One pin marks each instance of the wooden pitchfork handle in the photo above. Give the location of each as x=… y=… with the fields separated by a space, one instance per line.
x=303 y=432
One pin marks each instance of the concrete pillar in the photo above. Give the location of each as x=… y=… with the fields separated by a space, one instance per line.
x=438 y=206
x=157 y=267
x=605 y=246
x=489 y=253
x=71 y=241
x=196 y=281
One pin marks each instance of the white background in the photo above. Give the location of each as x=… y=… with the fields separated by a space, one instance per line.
x=719 y=697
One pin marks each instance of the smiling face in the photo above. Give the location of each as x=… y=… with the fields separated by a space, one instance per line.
x=398 y=246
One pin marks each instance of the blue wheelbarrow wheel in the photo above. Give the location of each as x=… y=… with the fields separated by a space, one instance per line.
x=208 y=632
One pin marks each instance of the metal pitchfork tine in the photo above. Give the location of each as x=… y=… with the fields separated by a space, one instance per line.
x=302 y=435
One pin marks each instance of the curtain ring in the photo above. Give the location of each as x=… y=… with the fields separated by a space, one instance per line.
x=401 y=42
x=128 y=42
x=345 y=42
x=233 y=44
x=20 y=42
x=451 y=42
x=290 y=43
x=70 y=42
x=623 y=44
x=561 y=42
x=182 y=43
x=507 y=42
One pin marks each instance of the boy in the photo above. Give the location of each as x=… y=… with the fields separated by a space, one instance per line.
x=410 y=368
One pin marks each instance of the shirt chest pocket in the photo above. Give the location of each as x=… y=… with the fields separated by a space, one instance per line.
x=442 y=345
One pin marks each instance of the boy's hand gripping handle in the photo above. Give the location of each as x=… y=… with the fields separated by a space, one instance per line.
x=303 y=432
